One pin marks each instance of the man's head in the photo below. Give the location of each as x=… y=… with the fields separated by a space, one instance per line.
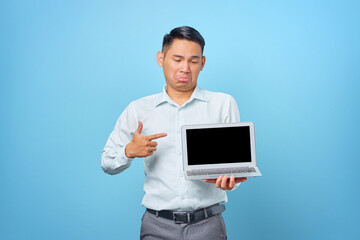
x=182 y=59
x=184 y=32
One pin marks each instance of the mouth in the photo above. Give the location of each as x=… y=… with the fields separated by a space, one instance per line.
x=183 y=79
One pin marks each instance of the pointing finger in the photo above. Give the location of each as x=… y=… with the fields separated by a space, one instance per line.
x=156 y=136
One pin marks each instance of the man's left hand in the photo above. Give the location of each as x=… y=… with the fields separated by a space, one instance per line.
x=225 y=182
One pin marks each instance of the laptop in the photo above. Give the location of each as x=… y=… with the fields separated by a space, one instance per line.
x=212 y=150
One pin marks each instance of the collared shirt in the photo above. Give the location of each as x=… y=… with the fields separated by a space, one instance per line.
x=165 y=186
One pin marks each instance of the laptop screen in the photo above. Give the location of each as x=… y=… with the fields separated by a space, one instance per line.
x=218 y=145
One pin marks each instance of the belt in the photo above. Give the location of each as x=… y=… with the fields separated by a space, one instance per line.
x=189 y=217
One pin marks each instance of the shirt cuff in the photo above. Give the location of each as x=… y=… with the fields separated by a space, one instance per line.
x=124 y=157
x=236 y=186
x=115 y=161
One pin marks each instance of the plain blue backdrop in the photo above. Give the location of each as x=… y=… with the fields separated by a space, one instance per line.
x=69 y=68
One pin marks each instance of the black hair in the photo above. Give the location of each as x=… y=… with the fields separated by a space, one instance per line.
x=184 y=32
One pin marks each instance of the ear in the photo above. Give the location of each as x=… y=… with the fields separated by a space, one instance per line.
x=160 y=58
x=203 y=60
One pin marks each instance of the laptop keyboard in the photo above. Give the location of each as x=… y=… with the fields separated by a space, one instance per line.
x=220 y=171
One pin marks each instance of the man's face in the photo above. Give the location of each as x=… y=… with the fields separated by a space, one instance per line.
x=181 y=63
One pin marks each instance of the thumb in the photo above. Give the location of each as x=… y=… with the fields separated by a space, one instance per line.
x=139 y=129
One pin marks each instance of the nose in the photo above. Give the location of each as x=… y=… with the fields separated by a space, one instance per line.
x=185 y=67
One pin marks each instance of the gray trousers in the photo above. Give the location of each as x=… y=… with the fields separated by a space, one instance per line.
x=153 y=227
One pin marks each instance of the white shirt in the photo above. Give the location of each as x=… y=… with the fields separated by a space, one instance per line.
x=165 y=186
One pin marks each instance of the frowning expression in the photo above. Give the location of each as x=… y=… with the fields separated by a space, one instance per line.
x=182 y=62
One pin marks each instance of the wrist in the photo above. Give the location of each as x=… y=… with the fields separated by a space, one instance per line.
x=127 y=152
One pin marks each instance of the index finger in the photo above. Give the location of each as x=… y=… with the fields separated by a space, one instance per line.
x=156 y=136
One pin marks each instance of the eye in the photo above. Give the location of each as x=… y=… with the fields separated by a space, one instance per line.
x=194 y=62
x=177 y=60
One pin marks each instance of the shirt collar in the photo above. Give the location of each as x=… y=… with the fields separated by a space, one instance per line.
x=198 y=94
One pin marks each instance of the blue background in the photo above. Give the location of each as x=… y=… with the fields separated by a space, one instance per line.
x=69 y=68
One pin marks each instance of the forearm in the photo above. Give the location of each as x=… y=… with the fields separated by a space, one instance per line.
x=114 y=160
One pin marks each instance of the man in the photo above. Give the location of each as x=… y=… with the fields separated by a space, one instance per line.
x=176 y=208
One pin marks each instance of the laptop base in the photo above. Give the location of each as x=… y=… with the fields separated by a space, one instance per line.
x=257 y=173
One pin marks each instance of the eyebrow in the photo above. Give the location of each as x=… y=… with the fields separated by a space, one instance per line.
x=180 y=56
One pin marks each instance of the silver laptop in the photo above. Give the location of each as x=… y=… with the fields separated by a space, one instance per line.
x=211 y=150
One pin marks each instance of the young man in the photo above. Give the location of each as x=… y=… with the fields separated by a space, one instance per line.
x=176 y=208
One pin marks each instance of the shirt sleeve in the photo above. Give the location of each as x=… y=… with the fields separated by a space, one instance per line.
x=232 y=111
x=113 y=158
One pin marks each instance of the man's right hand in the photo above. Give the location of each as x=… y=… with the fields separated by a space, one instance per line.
x=142 y=146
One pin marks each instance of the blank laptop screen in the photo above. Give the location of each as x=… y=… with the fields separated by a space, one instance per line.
x=218 y=145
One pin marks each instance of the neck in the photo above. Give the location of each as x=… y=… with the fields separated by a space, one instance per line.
x=179 y=97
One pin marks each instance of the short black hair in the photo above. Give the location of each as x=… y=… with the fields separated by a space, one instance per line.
x=184 y=32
